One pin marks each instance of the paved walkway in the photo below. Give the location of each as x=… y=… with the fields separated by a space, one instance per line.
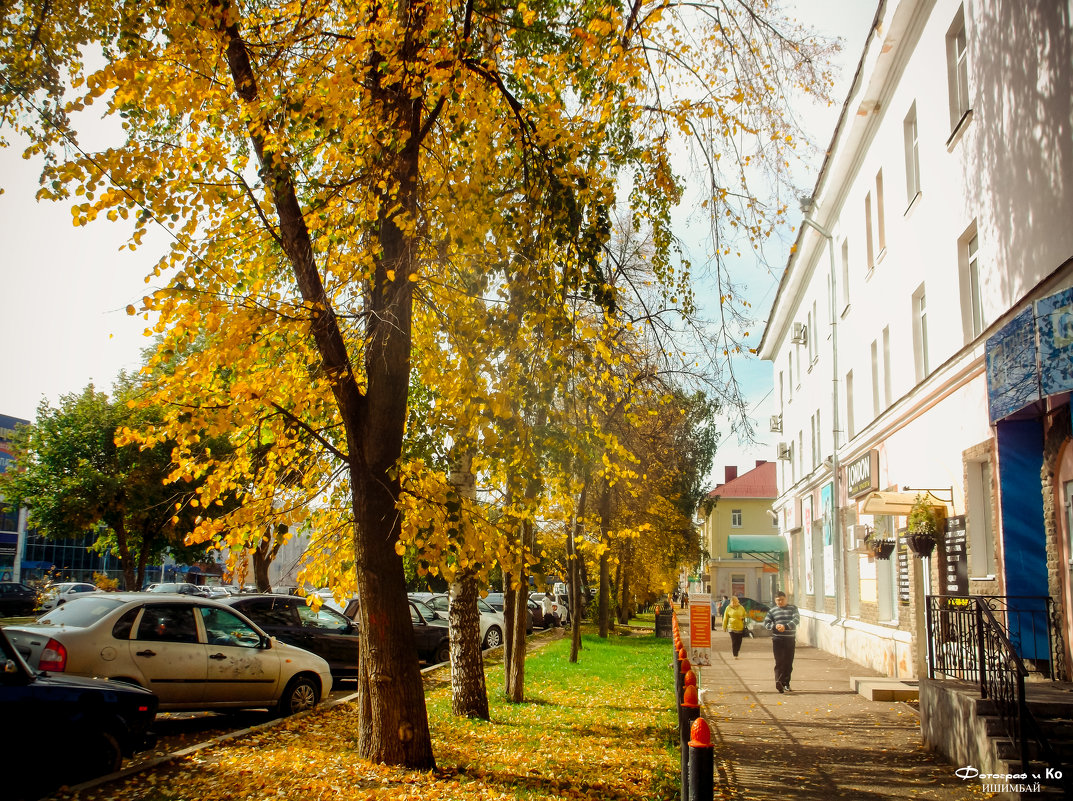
x=821 y=741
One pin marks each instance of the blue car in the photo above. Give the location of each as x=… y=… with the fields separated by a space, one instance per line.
x=93 y=722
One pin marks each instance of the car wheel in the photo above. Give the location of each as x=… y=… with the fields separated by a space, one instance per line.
x=493 y=638
x=98 y=754
x=443 y=653
x=301 y=694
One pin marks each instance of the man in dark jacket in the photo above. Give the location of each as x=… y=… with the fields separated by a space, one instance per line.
x=782 y=621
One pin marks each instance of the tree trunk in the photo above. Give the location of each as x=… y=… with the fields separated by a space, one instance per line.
x=261 y=563
x=605 y=565
x=394 y=726
x=516 y=633
x=469 y=695
x=577 y=597
x=126 y=563
x=624 y=603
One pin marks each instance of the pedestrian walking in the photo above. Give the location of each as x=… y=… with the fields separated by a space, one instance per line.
x=685 y=600
x=734 y=623
x=782 y=621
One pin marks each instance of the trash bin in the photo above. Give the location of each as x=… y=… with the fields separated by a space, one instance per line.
x=664 y=624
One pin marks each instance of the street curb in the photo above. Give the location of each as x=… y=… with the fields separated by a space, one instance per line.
x=124 y=773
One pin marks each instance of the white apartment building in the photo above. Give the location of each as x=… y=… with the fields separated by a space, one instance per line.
x=919 y=337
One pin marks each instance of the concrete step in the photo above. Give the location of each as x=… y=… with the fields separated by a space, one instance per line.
x=882 y=688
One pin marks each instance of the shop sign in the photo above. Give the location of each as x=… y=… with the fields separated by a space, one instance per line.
x=956 y=575
x=862 y=474
x=1013 y=378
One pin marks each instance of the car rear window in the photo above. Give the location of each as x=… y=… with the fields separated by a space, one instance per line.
x=81 y=612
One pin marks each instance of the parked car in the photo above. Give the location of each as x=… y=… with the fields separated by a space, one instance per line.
x=59 y=594
x=180 y=587
x=16 y=599
x=430 y=631
x=496 y=601
x=324 y=631
x=85 y=725
x=492 y=625
x=193 y=653
x=754 y=610
x=558 y=611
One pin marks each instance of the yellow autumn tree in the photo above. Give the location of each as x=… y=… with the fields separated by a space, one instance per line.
x=312 y=163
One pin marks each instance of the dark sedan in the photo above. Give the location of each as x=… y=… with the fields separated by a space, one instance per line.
x=16 y=599
x=82 y=727
x=290 y=619
x=430 y=631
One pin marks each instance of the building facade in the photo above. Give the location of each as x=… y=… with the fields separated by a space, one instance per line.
x=741 y=535
x=917 y=321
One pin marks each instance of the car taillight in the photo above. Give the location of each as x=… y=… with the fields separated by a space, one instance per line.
x=53 y=658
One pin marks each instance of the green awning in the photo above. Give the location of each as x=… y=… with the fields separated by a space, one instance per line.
x=756 y=543
x=765 y=548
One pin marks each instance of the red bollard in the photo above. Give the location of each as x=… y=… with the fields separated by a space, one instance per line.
x=701 y=762
x=688 y=712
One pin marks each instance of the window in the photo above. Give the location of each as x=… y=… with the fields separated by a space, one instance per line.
x=735 y=518
x=875 y=378
x=845 y=272
x=912 y=155
x=887 y=399
x=224 y=628
x=817 y=439
x=957 y=67
x=811 y=337
x=868 y=243
x=881 y=229
x=801 y=452
x=978 y=520
x=920 y=334
x=974 y=321
x=790 y=372
x=166 y=623
x=781 y=394
x=851 y=429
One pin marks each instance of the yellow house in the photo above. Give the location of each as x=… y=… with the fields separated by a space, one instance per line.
x=746 y=553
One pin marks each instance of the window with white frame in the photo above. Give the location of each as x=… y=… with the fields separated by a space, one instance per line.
x=809 y=337
x=781 y=389
x=813 y=351
x=817 y=440
x=881 y=228
x=851 y=428
x=800 y=453
x=887 y=383
x=875 y=378
x=869 y=246
x=735 y=518
x=972 y=307
x=845 y=272
x=912 y=155
x=978 y=519
x=790 y=372
x=920 y=334
x=957 y=68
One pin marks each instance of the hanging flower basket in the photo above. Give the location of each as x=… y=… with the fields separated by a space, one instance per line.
x=923 y=528
x=882 y=549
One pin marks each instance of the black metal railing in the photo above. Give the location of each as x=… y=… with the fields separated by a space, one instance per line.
x=995 y=642
x=954 y=639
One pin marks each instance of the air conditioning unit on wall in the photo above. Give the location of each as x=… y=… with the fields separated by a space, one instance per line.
x=784 y=451
x=799 y=334
x=776 y=423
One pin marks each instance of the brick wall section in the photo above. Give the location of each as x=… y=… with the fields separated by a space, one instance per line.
x=1056 y=436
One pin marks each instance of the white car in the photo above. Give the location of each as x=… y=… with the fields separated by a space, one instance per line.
x=192 y=652
x=59 y=594
x=492 y=626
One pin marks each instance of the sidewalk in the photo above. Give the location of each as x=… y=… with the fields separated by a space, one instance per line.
x=821 y=741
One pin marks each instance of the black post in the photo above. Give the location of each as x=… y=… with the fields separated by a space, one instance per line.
x=687 y=713
x=701 y=764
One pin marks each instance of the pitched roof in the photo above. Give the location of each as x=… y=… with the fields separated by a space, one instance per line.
x=759 y=482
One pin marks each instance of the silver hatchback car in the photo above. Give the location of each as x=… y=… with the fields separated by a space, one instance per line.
x=193 y=653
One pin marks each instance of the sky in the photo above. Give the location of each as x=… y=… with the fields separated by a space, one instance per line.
x=63 y=323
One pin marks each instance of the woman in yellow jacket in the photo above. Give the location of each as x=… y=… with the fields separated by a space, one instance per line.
x=734 y=622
